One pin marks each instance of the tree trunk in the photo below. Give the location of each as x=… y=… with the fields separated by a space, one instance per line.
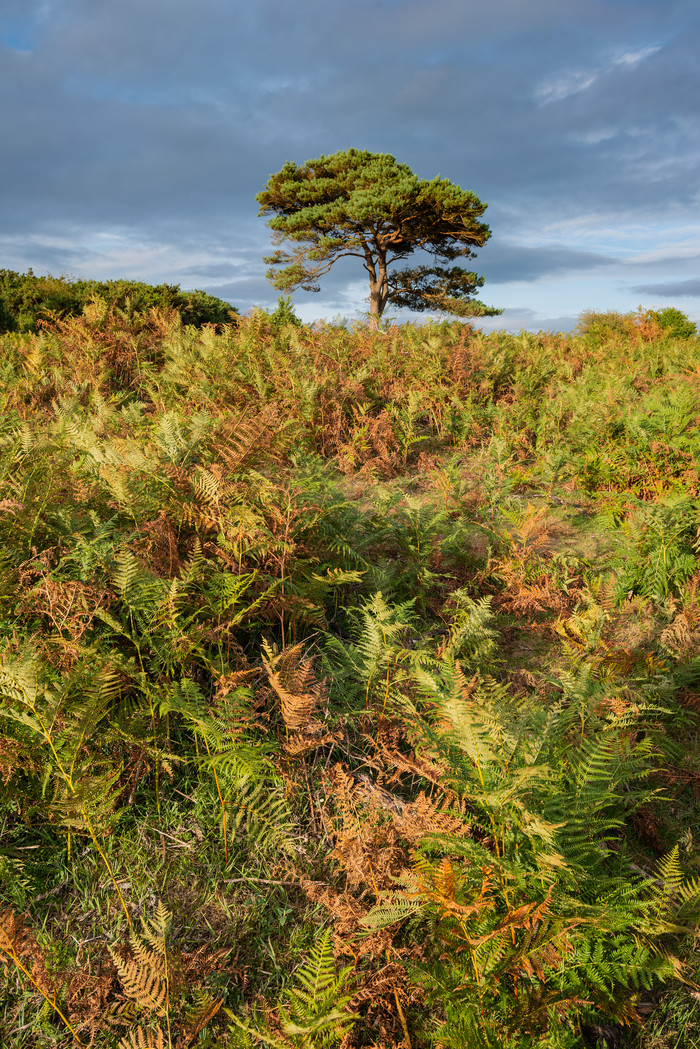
x=378 y=294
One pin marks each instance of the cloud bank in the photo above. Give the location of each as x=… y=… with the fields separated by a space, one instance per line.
x=137 y=135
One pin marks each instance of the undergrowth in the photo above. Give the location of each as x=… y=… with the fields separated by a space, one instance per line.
x=348 y=685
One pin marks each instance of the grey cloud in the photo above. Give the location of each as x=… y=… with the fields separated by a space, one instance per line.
x=501 y=261
x=671 y=289
x=210 y=269
x=523 y=319
x=244 y=293
x=164 y=118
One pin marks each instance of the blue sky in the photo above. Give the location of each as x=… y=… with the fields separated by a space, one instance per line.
x=136 y=135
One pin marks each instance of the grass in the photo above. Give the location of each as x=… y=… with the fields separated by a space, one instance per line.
x=391 y=636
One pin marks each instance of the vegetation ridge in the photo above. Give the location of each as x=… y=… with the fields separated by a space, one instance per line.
x=348 y=683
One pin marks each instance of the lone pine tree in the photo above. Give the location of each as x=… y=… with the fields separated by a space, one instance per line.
x=368 y=206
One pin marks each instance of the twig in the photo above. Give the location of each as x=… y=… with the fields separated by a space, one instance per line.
x=163 y=834
x=56 y=891
x=270 y=881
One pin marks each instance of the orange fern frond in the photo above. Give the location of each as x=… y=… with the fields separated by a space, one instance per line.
x=292 y=678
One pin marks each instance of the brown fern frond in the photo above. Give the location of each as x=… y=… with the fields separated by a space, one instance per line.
x=159 y=978
x=343 y=907
x=10 y=506
x=383 y=999
x=606 y=592
x=414 y=764
x=619 y=661
x=244 y=439
x=227 y=683
x=19 y=948
x=154 y=959
x=15 y=757
x=368 y=844
x=425 y=816
x=156 y=931
x=158 y=546
x=530 y=535
x=88 y=997
x=68 y=605
x=524 y=599
x=682 y=635
x=15 y=938
x=303 y=742
x=372 y=446
x=292 y=678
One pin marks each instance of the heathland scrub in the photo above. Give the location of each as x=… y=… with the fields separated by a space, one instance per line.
x=348 y=685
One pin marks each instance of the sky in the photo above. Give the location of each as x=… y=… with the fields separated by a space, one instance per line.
x=136 y=134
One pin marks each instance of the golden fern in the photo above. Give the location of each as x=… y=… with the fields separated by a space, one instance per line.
x=292 y=678
x=244 y=439
x=157 y=978
x=140 y=1039
x=146 y=976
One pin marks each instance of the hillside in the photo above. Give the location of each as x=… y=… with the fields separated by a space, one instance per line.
x=348 y=684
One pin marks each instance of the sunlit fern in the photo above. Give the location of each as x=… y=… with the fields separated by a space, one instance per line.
x=313 y=1014
x=154 y=979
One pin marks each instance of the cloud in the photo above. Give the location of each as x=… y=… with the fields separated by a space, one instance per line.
x=564 y=87
x=672 y=289
x=521 y=318
x=155 y=122
x=207 y=270
x=503 y=261
x=575 y=81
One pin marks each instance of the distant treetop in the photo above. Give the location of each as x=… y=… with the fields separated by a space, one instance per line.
x=368 y=206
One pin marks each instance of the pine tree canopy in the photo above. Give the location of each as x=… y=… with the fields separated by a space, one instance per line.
x=368 y=206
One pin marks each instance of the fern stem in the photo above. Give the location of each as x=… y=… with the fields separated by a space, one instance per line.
x=402 y=1016
x=108 y=865
x=12 y=954
x=155 y=745
x=386 y=697
x=223 y=807
x=167 y=995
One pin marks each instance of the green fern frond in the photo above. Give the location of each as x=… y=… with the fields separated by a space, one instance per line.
x=673 y=902
x=157 y=931
x=314 y=1015
x=191 y=568
x=170 y=438
x=669 y=872
x=86 y=802
x=263 y=811
x=317 y=980
x=472 y=636
x=397 y=908
x=127 y=572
